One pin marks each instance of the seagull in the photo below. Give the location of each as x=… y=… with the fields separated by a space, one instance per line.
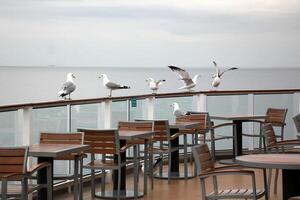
x=217 y=76
x=176 y=110
x=185 y=77
x=68 y=87
x=153 y=84
x=111 y=85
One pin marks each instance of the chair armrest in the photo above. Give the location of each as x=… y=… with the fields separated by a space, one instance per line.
x=222 y=125
x=234 y=166
x=284 y=143
x=11 y=176
x=254 y=120
x=38 y=167
x=125 y=147
x=227 y=172
x=176 y=135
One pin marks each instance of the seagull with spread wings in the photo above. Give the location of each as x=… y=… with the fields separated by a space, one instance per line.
x=154 y=84
x=68 y=87
x=111 y=85
x=217 y=76
x=188 y=82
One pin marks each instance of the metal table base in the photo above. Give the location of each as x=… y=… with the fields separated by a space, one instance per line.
x=127 y=194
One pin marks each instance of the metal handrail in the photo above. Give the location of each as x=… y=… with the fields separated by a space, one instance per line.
x=59 y=103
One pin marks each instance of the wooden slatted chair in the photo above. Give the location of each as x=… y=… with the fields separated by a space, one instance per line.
x=274 y=116
x=208 y=134
x=294 y=198
x=162 y=143
x=206 y=168
x=272 y=145
x=140 y=126
x=13 y=167
x=104 y=142
x=67 y=138
x=296 y=120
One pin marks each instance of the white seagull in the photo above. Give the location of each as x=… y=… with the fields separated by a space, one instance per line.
x=153 y=84
x=188 y=82
x=68 y=87
x=217 y=76
x=111 y=85
x=176 y=110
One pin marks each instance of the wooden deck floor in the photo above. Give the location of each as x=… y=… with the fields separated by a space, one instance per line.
x=183 y=189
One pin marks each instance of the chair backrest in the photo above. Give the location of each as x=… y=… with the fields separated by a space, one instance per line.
x=61 y=138
x=276 y=116
x=203 y=158
x=13 y=160
x=161 y=128
x=201 y=118
x=104 y=141
x=137 y=125
x=297 y=122
x=269 y=134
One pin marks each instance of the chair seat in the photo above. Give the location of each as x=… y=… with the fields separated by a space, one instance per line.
x=294 y=198
x=106 y=164
x=164 y=149
x=217 y=137
x=14 y=190
x=235 y=193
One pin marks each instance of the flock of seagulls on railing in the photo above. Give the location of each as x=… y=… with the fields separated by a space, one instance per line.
x=188 y=83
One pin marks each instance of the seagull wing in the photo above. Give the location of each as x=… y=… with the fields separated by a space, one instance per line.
x=112 y=85
x=68 y=87
x=217 y=68
x=159 y=82
x=184 y=75
x=230 y=69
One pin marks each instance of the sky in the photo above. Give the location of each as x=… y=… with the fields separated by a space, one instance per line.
x=150 y=33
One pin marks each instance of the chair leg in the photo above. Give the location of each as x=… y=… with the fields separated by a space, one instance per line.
x=49 y=182
x=161 y=165
x=92 y=183
x=81 y=180
x=4 y=190
x=24 y=195
x=269 y=181
x=76 y=178
x=276 y=181
x=103 y=181
x=169 y=166
x=119 y=184
x=185 y=157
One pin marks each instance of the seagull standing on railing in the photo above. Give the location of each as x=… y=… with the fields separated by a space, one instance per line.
x=188 y=82
x=68 y=87
x=217 y=76
x=111 y=85
x=153 y=84
x=176 y=110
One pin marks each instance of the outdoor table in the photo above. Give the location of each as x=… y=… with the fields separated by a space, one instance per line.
x=47 y=153
x=289 y=163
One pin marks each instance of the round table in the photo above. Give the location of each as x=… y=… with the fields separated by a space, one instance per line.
x=289 y=163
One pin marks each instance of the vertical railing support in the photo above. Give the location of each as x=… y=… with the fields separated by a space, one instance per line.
x=150 y=107
x=128 y=109
x=201 y=102
x=296 y=108
x=24 y=126
x=250 y=127
x=69 y=118
x=107 y=114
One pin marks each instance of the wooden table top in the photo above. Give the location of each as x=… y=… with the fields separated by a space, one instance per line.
x=132 y=134
x=238 y=117
x=184 y=125
x=278 y=161
x=55 y=150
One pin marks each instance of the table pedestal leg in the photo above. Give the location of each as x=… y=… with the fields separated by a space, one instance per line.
x=42 y=178
x=290 y=183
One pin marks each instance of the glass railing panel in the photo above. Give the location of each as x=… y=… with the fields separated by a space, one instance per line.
x=163 y=109
x=119 y=112
x=9 y=130
x=52 y=120
x=224 y=106
x=263 y=102
x=138 y=109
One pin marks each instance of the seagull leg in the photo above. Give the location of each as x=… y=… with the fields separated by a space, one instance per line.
x=110 y=91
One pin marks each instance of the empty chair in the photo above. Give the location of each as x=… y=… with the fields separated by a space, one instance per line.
x=67 y=138
x=13 y=167
x=272 y=145
x=274 y=116
x=211 y=128
x=140 y=126
x=297 y=124
x=104 y=142
x=206 y=168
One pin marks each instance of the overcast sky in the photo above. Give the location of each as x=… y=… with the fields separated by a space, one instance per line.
x=150 y=33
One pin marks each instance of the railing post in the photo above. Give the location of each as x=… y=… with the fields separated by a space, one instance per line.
x=296 y=106
x=150 y=107
x=69 y=118
x=24 y=126
x=128 y=109
x=201 y=102
x=250 y=127
x=107 y=114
